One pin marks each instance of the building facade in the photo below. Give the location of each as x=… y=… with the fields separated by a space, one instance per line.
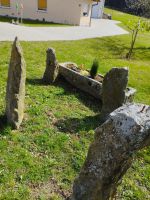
x=98 y=9
x=75 y=12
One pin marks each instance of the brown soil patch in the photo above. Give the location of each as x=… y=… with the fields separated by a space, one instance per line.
x=47 y=190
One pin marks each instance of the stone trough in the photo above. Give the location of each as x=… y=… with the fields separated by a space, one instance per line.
x=87 y=84
x=84 y=83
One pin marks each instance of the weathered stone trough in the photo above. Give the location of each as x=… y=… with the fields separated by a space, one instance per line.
x=84 y=83
x=87 y=84
x=111 y=89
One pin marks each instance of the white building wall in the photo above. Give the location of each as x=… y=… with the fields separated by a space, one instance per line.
x=86 y=6
x=58 y=11
x=98 y=9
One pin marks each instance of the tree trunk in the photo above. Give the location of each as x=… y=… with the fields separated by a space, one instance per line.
x=129 y=54
x=134 y=37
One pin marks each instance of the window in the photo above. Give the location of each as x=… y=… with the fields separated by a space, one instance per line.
x=5 y=3
x=42 y=4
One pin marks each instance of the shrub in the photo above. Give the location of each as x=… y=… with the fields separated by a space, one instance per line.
x=94 y=69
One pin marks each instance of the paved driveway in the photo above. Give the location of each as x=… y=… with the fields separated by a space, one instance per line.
x=99 y=28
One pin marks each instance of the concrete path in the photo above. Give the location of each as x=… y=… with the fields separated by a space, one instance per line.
x=99 y=28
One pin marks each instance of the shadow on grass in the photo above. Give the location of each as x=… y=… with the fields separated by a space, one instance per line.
x=112 y=45
x=34 y=81
x=4 y=127
x=74 y=125
x=142 y=53
x=119 y=47
x=89 y=101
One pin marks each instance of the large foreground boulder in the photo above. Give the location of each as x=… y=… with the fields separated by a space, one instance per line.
x=126 y=131
x=114 y=90
x=52 y=67
x=15 y=92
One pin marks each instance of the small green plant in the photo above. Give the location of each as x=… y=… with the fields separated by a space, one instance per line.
x=94 y=69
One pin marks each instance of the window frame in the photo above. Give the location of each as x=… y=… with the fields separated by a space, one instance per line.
x=41 y=10
x=5 y=6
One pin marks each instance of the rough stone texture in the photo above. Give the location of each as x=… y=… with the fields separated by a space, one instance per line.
x=81 y=82
x=52 y=67
x=107 y=16
x=87 y=84
x=114 y=90
x=130 y=93
x=125 y=132
x=15 y=94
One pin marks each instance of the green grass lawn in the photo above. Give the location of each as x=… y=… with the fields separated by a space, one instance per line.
x=41 y=160
x=126 y=19
x=32 y=23
x=120 y=16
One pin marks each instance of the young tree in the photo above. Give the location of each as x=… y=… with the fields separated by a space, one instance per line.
x=142 y=7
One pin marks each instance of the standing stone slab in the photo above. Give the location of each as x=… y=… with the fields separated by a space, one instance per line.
x=126 y=131
x=15 y=92
x=114 y=90
x=52 y=67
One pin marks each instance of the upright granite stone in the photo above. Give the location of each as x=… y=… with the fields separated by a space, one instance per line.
x=15 y=92
x=114 y=90
x=52 y=67
x=126 y=131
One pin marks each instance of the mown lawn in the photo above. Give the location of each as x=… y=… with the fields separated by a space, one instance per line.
x=41 y=160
